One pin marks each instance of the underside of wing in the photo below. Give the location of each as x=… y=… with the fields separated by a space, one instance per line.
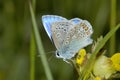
x=59 y=31
x=48 y=20
x=70 y=50
x=80 y=31
x=78 y=37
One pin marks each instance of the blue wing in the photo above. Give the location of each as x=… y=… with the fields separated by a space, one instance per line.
x=76 y=20
x=47 y=20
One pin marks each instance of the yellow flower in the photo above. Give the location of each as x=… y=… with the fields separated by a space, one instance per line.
x=98 y=78
x=116 y=61
x=103 y=67
x=81 y=56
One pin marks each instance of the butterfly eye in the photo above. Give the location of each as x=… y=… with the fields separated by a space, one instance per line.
x=57 y=53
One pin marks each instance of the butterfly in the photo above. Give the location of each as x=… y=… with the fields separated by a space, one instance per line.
x=69 y=36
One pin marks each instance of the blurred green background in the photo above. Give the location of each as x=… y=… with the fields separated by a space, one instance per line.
x=15 y=32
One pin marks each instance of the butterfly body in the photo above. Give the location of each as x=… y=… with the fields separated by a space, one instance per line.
x=69 y=36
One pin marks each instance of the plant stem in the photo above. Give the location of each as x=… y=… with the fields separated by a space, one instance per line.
x=112 y=25
x=32 y=49
x=40 y=46
x=32 y=57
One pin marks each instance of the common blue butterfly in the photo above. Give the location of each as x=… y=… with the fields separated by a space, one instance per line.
x=69 y=36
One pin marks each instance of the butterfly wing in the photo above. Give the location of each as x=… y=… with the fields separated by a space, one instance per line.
x=76 y=20
x=47 y=21
x=79 y=37
x=59 y=31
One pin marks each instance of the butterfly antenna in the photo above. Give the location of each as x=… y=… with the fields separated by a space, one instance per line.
x=46 y=53
x=50 y=58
